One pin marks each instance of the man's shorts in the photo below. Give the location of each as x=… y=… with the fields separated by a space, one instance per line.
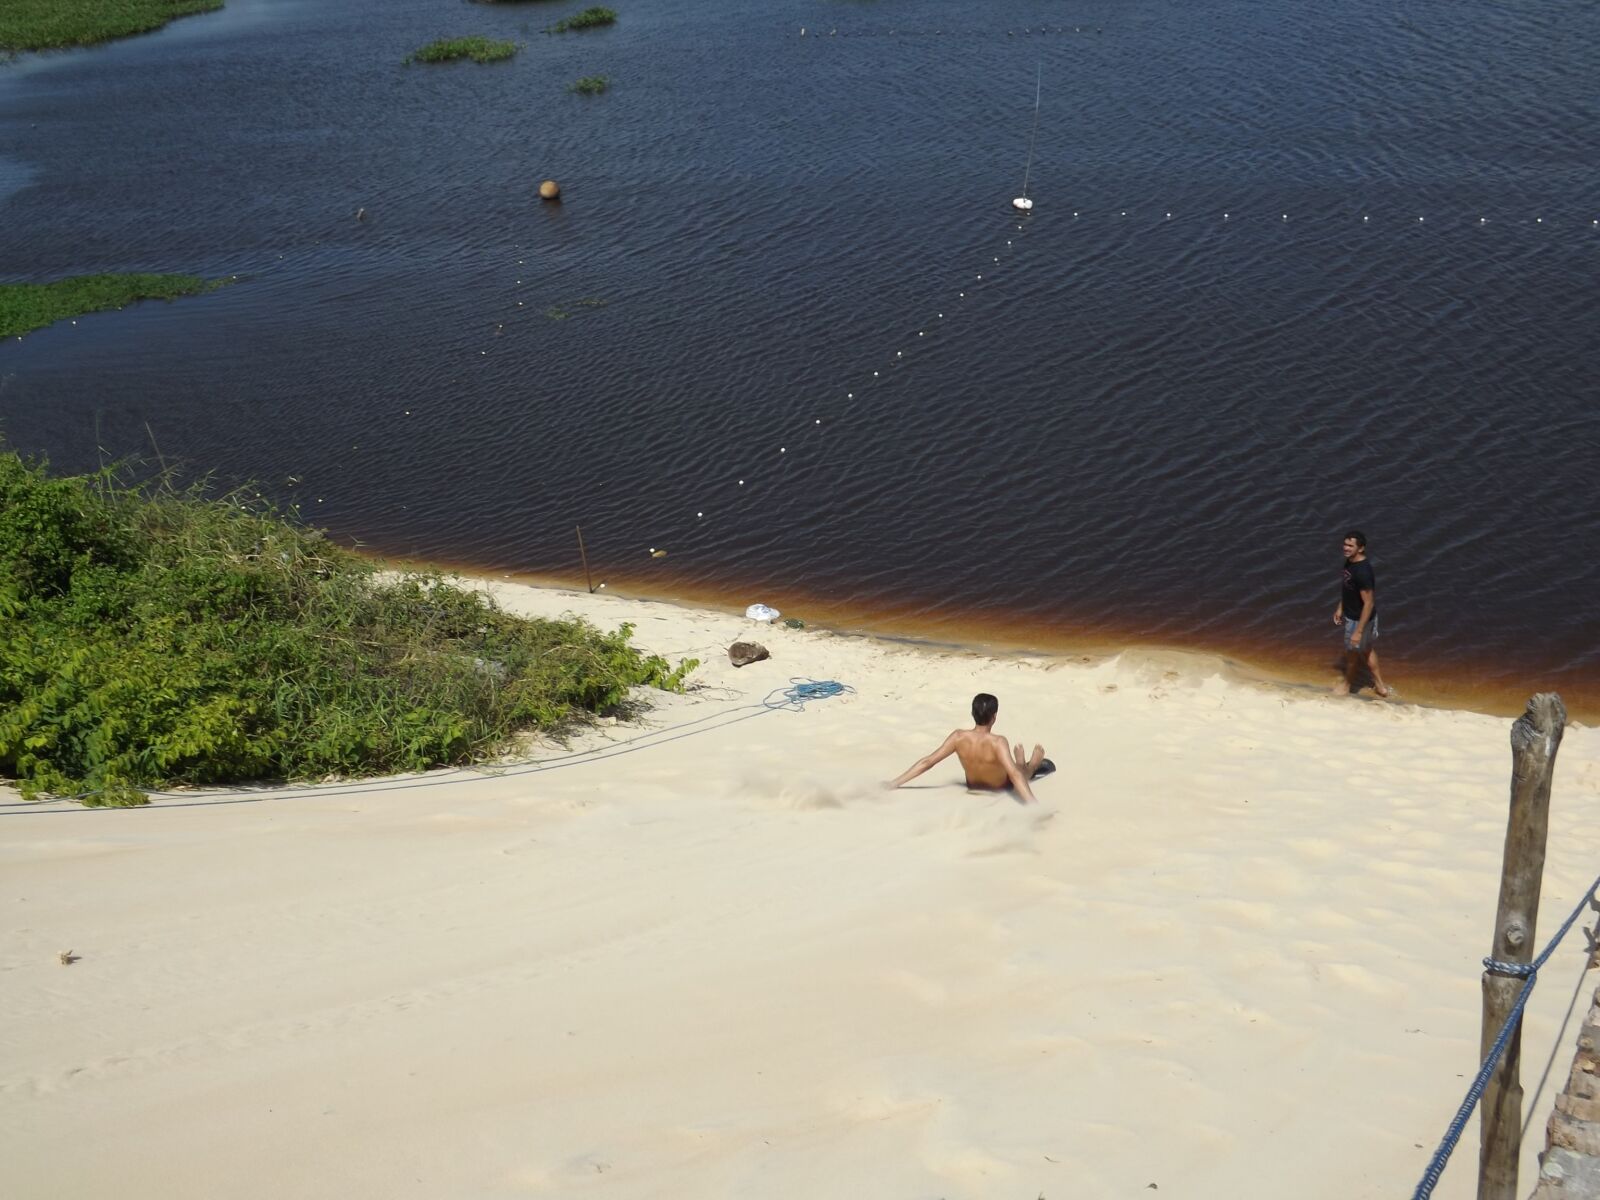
x=1366 y=641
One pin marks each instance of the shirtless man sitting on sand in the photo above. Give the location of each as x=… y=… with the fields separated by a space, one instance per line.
x=991 y=763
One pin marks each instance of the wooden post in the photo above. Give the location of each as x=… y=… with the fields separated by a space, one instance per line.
x=584 y=554
x=1535 y=738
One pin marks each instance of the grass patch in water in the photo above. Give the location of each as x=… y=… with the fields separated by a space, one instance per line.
x=478 y=49
x=590 y=85
x=151 y=637
x=56 y=24
x=589 y=18
x=28 y=306
x=559 y=312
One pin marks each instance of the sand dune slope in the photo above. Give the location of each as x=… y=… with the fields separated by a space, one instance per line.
x=1232 y=953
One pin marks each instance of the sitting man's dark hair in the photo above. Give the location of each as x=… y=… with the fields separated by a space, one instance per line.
x=984 y=707
x=1358 y=537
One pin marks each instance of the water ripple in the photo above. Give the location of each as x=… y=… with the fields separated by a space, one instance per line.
x=1147 y=425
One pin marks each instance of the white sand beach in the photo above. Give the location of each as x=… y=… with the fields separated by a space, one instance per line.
x=1233 y=952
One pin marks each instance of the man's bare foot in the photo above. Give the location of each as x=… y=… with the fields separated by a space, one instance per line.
x=1342 y=688
x=1382 y=690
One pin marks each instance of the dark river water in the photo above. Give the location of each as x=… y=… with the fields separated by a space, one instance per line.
x=1292 y=267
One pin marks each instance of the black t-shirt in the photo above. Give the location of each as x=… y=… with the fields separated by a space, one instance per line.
x=1358 y=577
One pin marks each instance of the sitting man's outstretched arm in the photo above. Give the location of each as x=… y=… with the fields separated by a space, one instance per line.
x=922 y=764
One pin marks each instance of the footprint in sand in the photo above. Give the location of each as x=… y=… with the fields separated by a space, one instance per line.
x=1244 y=914
x=1359 y=979
x=805 y=797
x=877 y=1105
x=1316 y=849
x=927 y=991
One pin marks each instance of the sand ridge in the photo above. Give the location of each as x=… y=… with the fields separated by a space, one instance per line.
x=1232 y=952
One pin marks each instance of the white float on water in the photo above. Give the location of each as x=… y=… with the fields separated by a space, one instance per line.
x=1022 y=203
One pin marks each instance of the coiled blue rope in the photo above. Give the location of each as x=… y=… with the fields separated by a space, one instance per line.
x=801 y=692
x=1530 y=972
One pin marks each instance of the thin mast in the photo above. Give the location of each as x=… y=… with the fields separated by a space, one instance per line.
x=1037 y=84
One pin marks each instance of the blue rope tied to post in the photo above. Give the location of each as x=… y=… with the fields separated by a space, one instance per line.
x=1530 y=972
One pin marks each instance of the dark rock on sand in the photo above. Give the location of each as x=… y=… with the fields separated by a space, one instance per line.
x=742 y=654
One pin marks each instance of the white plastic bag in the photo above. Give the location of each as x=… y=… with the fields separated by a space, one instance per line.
x=760 y=612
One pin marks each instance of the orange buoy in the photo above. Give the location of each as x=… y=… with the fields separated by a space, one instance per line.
x=549 y=190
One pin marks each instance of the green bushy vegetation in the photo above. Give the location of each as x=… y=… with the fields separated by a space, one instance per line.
x=151 y=637
x=589 y=18
x=590 y=85
x=478 y=49
x=55 y=24
x=28 y=306
x=560 y=312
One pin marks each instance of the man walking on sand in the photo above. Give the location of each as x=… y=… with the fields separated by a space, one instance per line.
x=1358 y=614
x=991 y=763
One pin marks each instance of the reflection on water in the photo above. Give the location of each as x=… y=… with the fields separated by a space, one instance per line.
x=1139 y=427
